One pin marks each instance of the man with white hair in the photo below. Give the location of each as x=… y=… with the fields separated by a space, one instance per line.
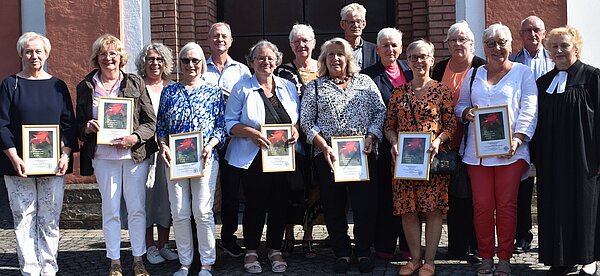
x=533 y=54
x=353 y=22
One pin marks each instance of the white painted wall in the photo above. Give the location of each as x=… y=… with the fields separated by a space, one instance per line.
x=473 y=11
x=136 y=29
x=581 y=14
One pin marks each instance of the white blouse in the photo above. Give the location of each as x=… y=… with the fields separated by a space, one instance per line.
x=518 y=90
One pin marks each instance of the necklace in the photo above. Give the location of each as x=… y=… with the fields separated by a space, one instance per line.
x=342 y=81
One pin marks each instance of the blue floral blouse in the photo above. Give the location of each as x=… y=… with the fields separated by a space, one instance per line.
x=199 y=110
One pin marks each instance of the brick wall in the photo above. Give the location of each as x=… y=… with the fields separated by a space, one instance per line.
x=427 y=19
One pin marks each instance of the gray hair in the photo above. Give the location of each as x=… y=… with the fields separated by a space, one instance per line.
x=264 y=44
x=298 y=29
x=493 y=29
x=28 y=36
x=460 y=27
x=351 y=66
x=194 y=46
x=354 y=7
x=420 y=44
x=218 y=24
x=389 y=33
x=164 y=52
x=532 y=18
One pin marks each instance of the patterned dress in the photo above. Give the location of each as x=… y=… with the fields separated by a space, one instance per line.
x=434 y=113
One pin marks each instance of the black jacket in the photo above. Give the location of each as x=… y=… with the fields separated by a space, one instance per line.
x=383 y=82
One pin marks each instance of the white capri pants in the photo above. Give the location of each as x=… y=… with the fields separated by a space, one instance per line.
x=116 y=178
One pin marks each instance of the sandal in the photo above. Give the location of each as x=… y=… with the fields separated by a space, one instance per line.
x=503 y=268
x=308 y=248
x=277 y=266
x=427 y=270
x=409 y=268
x=252 y=267
x=287 y=247
x=486 y=268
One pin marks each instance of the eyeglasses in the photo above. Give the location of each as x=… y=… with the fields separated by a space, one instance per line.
x=159 y=60
x=301 y=41
x=458 y=40
x=535 y=30
x=414 y=58
x=186 y=61
x=353 y=22
x=111 y=54
x=494 y=43
x=265 y=59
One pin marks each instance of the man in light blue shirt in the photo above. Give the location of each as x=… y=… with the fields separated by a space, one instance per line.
x=533 y=54
x=225 y=72
x=221 y=68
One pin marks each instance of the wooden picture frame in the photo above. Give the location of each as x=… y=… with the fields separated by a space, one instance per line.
x=41 y=149
x=492 y=131
x=412 y=161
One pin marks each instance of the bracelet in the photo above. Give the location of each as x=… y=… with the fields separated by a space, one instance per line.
x=518 y=140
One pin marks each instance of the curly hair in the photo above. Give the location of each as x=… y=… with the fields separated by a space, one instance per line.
x=165 y=53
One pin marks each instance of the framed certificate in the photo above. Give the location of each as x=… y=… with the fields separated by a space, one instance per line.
x=186 y=155
x=412 y=161
x=279 y=157
x=350 y=161
x=492 y=131
x=115 y=117
x=41 y=149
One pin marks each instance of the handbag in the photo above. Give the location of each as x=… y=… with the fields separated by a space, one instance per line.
x=444 y=162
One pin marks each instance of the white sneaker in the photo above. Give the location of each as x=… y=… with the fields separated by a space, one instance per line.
x=154 y=256
x=181 y=272
x=168 y=254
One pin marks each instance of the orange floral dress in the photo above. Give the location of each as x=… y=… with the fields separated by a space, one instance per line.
x=434 y=112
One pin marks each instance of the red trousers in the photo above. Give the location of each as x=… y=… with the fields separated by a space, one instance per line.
x=496 y=189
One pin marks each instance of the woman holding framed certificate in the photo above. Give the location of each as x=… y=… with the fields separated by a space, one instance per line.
x=116 y=125
x=191 y=127
x=423 y=106
x=262 y=100
x=504 y=99
x=38 y=132
x=344 y=104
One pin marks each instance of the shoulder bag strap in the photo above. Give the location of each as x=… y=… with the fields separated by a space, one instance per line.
x=466 y=126
x=269 y=106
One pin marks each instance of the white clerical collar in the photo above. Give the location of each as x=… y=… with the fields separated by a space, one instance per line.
x=559 y=82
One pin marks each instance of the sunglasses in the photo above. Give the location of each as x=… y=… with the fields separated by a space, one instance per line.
x=186 y=61
x=494 y=43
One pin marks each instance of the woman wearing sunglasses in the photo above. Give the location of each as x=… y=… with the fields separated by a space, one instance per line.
x=495 y=180
x=188 y=106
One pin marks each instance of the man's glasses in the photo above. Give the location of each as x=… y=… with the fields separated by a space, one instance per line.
x=186 y=61
x=535 y=30
x=458 y=40
x=354 y=22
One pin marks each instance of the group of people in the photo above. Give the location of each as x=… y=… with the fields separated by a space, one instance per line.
x=353 y=88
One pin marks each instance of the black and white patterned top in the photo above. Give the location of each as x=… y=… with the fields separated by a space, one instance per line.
x=356 y=110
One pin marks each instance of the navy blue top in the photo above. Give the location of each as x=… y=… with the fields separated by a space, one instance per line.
x=33 y=102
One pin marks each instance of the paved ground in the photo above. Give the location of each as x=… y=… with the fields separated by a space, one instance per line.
x=82 y=253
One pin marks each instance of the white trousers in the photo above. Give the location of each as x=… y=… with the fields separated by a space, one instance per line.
x=194 y=195
x=36 y=203
x=126 y=178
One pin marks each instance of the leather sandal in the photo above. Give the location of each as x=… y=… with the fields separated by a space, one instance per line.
x=486 y=268
x=503 y=268
x=254 y=266
x=427 y=270
x=277 y=266
x=409 y=268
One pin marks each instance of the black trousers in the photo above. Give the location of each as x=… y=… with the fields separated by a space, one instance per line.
x=461 y=230
x=230 y=203
x=362 y=201
x=264 y=193
x=388 y=228
x=524 y=210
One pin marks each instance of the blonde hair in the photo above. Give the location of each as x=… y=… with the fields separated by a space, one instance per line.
x=351 y=66
x=102 y=43
x=566 y=31
x=29 y=36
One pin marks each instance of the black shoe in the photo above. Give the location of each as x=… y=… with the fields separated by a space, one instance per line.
x=521 y=246
x=365 y=265
x=561 y=270
x=232 y=249
x=472 y=258
x=341 y=266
